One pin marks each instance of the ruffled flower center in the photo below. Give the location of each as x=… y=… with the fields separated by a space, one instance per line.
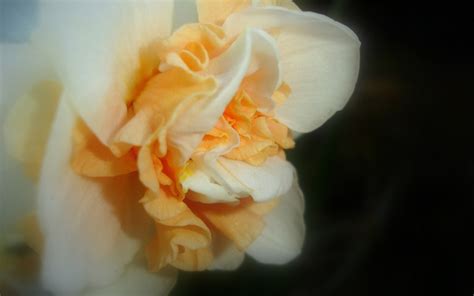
x=172 y=76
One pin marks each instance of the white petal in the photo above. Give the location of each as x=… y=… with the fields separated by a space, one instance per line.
x=319 y=60
x=139 y=281
x=95 y=47
x=229 y=69
x=283 y=236
x=202 y=183
x=263 y=76
x=84 y=243
x=271 y=179
x=227 y=179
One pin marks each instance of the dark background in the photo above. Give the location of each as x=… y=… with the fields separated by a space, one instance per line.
x=388 y=180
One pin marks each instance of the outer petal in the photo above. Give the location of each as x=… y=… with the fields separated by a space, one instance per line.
x=319 y=59
x=230 y=179
x=97 y=49
x=272 y=179
x=139 y=281
x=84 y=243
x=283 y=236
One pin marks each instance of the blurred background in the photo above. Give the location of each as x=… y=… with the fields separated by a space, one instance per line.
x=388 y=180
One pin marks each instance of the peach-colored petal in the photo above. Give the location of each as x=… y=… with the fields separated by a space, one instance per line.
x=150 y=169
x=271 y=129
x=123 y=193
x=168 y=94
x=161 y=206
x=170 y=243
x=194 y=260
x=229 y=69
x=253 y=151
x=182 y=239
x=93 y=159
x=238 y=223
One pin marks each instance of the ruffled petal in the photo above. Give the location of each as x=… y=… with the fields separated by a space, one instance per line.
x=229 y=69
x=91 y=158
x=85 y=245
x=272 y=179
x=182 y=239
x=100 y=53
x=319 y=60
x=283 y=236
x=236 y=222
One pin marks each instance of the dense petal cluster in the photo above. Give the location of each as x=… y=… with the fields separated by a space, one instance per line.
x=167 y=145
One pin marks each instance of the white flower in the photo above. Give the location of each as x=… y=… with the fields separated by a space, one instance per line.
x=169 y=140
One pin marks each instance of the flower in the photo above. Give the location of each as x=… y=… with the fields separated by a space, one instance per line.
x=167 y=147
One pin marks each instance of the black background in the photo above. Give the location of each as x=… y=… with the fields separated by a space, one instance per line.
x=388 y=180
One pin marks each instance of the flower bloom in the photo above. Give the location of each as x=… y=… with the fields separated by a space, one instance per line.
x=158 y=150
